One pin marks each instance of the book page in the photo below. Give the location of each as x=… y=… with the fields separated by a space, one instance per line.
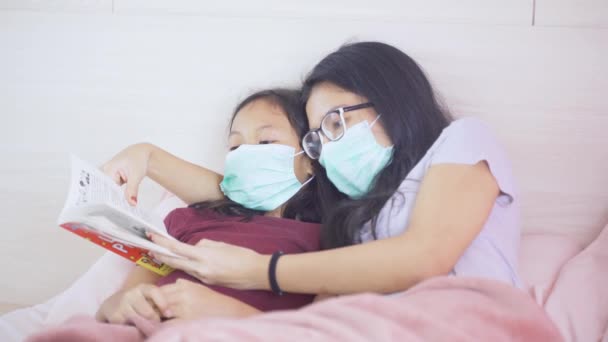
x=92 y=193
x=113 y=233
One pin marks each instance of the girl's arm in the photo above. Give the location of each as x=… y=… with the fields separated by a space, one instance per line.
x=190 y=182
x=190 y=300
x=116 y=308
x=452 y=206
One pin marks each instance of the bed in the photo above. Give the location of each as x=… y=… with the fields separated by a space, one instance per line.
x=541 y=88
x=565 y=277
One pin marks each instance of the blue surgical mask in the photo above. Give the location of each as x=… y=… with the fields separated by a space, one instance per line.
x=261 y=177
x=353 y=162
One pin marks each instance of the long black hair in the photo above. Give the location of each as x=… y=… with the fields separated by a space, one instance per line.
x=305 y=204
x=411 y=116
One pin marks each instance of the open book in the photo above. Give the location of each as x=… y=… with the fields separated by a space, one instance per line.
x=97 y=210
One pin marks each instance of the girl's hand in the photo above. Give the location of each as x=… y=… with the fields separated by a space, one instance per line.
x=129 y=167
x=188 y=300
x=145 y=300
x=217 y=263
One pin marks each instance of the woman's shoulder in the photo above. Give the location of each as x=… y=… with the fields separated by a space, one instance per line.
x=464 y=132
x=463 y=141
x=470 y=141
x=468 y=122
x=467 y=141
x=457 y=143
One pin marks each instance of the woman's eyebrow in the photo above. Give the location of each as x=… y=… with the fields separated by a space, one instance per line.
x=336 y=107
x=332 y=109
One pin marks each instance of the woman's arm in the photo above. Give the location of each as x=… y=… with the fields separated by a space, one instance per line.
x=453 y=204
x=189 y=182
x=451 y=208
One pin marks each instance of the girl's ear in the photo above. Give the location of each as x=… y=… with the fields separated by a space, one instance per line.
x=310 y=171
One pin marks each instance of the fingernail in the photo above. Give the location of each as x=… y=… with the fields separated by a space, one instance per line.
x=134 y=199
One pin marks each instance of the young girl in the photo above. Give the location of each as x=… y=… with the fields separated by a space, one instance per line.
x=272 y=206
x=423 y=195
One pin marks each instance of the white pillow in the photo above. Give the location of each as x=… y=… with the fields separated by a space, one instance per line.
x=84 y=296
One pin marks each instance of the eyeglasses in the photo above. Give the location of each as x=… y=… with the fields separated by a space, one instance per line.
x=333 y=127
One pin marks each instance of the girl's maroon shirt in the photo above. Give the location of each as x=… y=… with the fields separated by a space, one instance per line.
x=263 y=234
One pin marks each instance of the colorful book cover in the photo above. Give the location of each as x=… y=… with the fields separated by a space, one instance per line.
x=135 y=254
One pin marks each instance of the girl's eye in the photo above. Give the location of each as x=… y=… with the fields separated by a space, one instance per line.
x=264 y=142
x=232 y=148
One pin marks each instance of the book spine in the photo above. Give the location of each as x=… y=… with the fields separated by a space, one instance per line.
x=134 y=254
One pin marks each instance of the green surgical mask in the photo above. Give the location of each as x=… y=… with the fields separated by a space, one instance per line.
x=353 y=162
x=261 y=177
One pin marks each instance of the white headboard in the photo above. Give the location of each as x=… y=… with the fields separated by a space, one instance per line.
x=91 y=77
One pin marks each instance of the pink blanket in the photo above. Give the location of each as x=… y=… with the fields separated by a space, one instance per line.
x=443 y=308
x=83 y=328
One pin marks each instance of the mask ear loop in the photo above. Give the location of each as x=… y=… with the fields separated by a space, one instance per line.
x=311 y=177
x=374 y=122
x=308 y=180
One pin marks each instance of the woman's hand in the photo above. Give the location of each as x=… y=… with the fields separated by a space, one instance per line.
x=217 y=263
x=129 y=167
x=145 y=300
x=188 y=300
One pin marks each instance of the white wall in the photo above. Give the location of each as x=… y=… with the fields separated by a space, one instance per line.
x=91 y=77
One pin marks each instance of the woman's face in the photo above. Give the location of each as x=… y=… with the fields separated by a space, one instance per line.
x=326 y=97
x=263 y=122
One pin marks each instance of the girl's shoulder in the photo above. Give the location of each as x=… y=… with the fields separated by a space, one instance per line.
x=184 y=219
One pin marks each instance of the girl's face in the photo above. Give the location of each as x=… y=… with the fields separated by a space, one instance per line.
x=263 y=122
x=326 y=97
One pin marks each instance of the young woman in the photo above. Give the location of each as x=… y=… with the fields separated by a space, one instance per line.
x=424 y=196
x=271 y=205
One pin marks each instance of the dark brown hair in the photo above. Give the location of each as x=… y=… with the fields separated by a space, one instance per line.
x=304 y=205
